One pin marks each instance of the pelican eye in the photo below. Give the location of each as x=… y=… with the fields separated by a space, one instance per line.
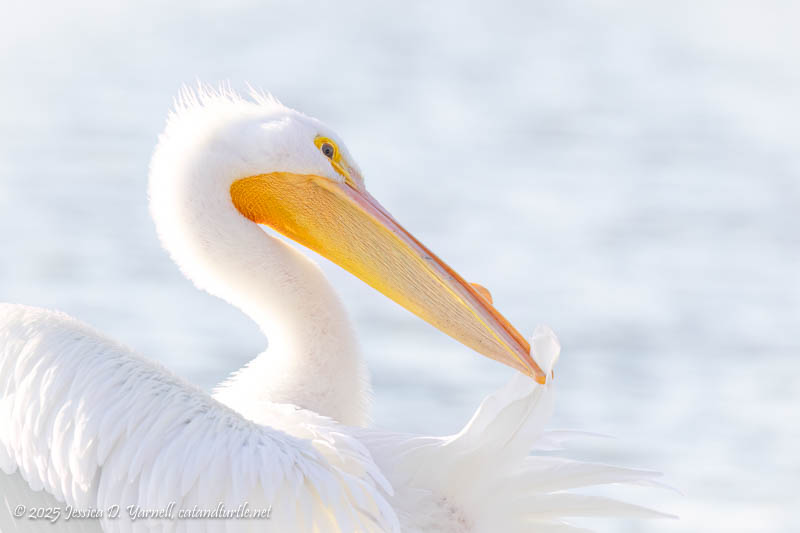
x=330 y=150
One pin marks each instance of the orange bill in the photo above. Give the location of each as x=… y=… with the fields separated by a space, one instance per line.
x=345 y=224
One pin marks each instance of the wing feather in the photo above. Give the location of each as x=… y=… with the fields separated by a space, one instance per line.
x=87 y=422
x=482 y=479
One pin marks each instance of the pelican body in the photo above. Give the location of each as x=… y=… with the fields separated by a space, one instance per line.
x=88 y=426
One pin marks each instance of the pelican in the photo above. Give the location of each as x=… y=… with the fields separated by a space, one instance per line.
x=95 y=437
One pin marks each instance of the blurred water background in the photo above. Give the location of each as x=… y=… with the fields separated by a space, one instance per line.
x=626 y=172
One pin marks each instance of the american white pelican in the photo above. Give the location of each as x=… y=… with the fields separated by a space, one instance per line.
x=86 y=424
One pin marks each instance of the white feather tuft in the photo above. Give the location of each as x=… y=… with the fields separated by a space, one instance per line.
x=483 y=479
x=545 y=349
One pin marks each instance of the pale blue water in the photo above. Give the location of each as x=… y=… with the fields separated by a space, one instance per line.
x=626 y=173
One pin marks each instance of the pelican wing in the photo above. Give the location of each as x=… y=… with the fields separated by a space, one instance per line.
x=483 y=478
x=87 y=423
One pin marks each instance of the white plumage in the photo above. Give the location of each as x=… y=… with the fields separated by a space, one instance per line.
x=87 y=423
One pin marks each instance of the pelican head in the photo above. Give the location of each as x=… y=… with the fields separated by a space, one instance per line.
x=258 y=162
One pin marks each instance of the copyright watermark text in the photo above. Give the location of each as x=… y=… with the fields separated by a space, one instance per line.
x=134 y=512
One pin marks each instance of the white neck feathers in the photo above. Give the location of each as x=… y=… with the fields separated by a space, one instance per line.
x=313 y=359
